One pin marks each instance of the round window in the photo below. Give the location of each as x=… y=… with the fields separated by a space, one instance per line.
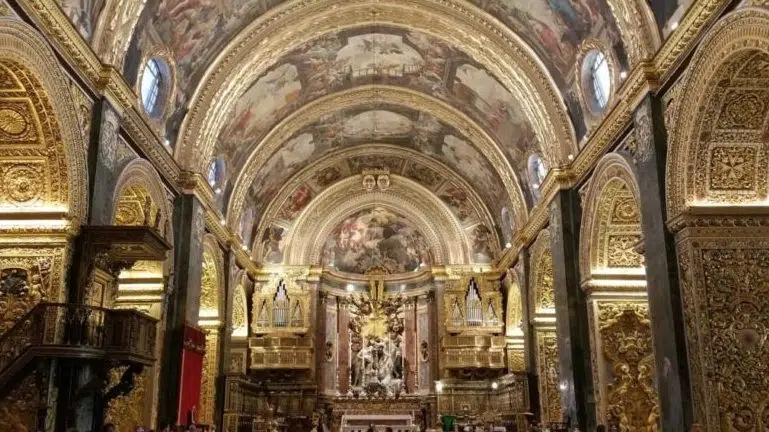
x=154 y=86
x=596 y=81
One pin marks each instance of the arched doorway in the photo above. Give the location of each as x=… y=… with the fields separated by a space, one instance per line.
x=614 y=278
x=42 y=199
x=718 y=191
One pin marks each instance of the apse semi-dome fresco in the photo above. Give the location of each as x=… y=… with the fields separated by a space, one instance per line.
x=376 y=238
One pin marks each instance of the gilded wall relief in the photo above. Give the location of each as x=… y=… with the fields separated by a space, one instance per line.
x=27 y=277
x=33 y=163
x=208 y=381
x=725 y=287
x=548 y=371
x=629 y=389
x=19 y=408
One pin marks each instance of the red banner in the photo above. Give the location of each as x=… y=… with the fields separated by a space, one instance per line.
x=192 y=374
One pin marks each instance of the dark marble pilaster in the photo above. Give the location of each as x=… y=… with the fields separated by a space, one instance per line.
x=576 y=380
x=183 y=299
x=102 y=163
x=225 y=346
x=665 y=309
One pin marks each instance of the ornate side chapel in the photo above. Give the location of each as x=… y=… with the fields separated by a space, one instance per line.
x=384 y=215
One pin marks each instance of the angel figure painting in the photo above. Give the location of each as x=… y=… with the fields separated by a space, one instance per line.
x=376 y=237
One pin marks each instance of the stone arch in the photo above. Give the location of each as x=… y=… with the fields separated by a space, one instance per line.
x=514 y=303
x=499 y=50
x=717 y=154
x=272 y=213
x=26 y=71
x=611 y=221
x=448 y=241
x=240 y=308
x=140 y=180
x=614 y=277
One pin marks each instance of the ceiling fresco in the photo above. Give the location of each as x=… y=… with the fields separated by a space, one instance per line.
x=382 y=124
x=197 y=30
x=392 y=57
x=376 y=237
x=443 y=183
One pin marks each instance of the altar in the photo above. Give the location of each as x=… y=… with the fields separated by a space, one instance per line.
x=381 y=423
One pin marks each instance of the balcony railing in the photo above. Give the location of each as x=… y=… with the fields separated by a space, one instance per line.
x=70 y=330
x=473 y=352
x=281 y=353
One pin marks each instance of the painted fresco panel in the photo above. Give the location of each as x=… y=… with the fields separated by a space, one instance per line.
x=376 y=237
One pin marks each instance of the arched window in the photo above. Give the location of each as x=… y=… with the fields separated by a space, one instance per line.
x=601 y=79
x=152 y=80
x=596 y=81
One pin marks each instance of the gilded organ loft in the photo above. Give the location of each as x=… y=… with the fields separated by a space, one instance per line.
x=384 y=215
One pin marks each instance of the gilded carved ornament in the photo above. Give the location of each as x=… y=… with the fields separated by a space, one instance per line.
x=42 y=164
x=626 y=344
x=611 y=221
x=272 y=214
x=549 y=381
x=541 y=291
x=273 y=35
x=723 y=172
x=315 y=110
x=445 y=236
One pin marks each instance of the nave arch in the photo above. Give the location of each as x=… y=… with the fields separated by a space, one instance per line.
x=397 y=96
x=139 y=199
x=44 y=177
x=211 y=319
x=717 y=194
x=614 y=278
x=447 y=240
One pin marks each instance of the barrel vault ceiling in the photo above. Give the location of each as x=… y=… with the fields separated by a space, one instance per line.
x=312 y=105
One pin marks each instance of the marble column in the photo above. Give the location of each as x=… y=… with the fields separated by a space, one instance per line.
x=183 y=298
x=343 y=350
x=576 y=381
x=664 y=292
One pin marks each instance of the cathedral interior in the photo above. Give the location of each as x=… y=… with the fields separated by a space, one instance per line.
x=384 y=215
